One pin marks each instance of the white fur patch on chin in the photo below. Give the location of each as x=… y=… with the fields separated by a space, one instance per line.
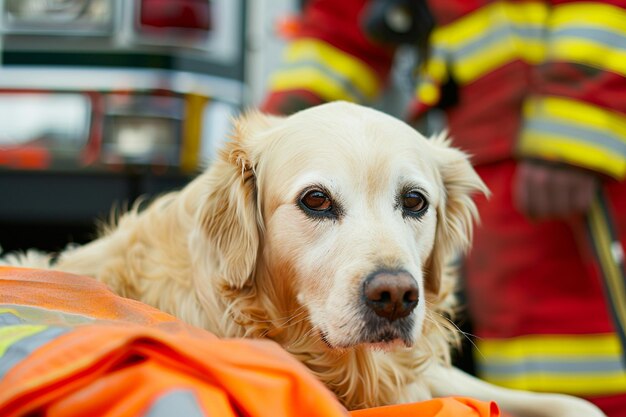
x=387 y=346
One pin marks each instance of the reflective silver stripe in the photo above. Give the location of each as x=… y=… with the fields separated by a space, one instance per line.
x=608 y=38
x=606 y=139
x=9 y=319
x=439 y=52
x=176 y=403
x=24 y=347
x=595 y=366
x=38 y=315
x=499 y=35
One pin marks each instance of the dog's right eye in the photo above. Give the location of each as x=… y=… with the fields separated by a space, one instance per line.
x=316 y=200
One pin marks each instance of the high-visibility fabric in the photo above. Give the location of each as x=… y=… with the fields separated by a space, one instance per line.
x=583 y=365
x=328 y=72
x=503 y=58
x=509 y=57
x=589 y=33
x=576 y=113
x=331 y=59
x=576 y=132
x=488 y=38
x=69 y=347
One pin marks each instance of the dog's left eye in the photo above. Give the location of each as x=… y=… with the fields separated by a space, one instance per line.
x=414 y=202
x=317 y=201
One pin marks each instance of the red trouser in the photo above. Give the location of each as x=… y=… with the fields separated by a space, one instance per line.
x=537 y=278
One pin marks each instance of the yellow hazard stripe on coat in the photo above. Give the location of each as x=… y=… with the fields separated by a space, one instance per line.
x=493 y=36
x=574 y=132
x=573 y=364
x=481 y=42
x=330 y=73
x=589 y=33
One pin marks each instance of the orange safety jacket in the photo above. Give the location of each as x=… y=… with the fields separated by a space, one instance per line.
x=70 y=347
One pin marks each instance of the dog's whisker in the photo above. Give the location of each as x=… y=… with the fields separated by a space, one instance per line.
x=469 y=336
x=286 y=319
x=299 y=316
x=295 y=319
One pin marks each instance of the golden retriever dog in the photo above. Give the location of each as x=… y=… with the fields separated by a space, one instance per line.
x=328 y=232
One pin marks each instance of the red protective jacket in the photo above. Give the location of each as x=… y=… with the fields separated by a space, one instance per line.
x=544 y=79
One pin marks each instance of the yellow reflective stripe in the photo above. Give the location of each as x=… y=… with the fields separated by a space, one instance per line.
x=493 y=36
x=485 y=61
x=575 y=132
x=574 y=364
x=589 y=53
x=51 y=317
x=10 y=310
x=433 y=73
x=436 y=66
x=313 y=80
x=428 y=93
x=10 y=335
x=323 y=61
x=473 y=26
x=582 y=385
x=578 y=113
x=556 y=148
x=602 y=16
x=550 y=346
x=589 y=33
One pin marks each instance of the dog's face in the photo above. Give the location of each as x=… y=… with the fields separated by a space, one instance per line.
x=349 y=205
x=350 y=202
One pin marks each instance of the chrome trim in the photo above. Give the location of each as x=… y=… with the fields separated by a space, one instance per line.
x=96 y=79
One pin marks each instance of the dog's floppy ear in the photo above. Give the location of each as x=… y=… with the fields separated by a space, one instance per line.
x=229 y=219
x=455 y=215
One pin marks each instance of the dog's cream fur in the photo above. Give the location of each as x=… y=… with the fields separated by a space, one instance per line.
x=235 y=254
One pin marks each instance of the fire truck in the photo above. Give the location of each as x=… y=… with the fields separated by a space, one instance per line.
x=104 y=101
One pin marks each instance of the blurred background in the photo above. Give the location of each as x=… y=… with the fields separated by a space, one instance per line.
x=102 y=101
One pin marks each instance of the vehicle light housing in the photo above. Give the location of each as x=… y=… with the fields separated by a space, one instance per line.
x=46 y=16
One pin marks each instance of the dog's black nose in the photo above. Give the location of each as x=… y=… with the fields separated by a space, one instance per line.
x=391 y=294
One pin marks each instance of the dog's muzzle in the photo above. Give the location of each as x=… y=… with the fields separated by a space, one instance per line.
x=389 y=297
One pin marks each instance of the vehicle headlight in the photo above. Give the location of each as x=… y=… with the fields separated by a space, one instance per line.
x=58 y=121
x=42 y=15
x=142 y=129
x=142 y=139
